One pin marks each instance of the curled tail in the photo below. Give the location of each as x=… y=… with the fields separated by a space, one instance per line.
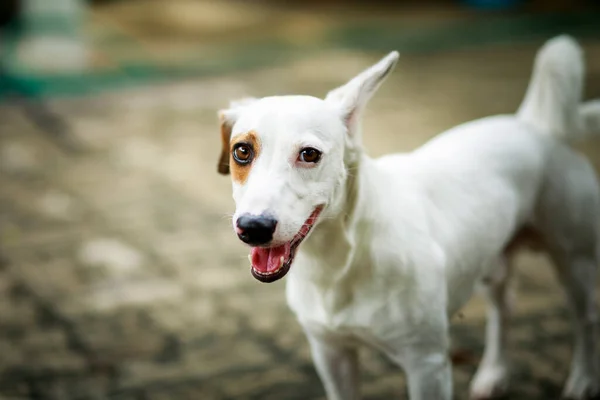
x=552 y=103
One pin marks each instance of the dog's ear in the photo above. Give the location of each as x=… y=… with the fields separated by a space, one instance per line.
x=352 y=97
x=227 y=119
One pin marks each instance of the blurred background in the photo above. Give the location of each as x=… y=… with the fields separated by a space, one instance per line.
x=120 y=275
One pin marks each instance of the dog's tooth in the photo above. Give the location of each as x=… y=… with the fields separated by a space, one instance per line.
x=250 y=258
x=281 y=260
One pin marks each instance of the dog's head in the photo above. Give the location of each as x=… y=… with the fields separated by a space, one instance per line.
x=288 y=158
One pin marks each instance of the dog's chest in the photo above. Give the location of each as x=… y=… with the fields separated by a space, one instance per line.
x=357 y=303
x=357 y=282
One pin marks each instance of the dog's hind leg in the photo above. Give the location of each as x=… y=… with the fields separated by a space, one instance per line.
x=568 y=217
x=577 y=272
x=491 y=379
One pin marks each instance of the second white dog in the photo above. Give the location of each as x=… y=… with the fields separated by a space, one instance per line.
x=383 y=251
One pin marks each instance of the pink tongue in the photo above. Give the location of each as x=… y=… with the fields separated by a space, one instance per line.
x=268 y=260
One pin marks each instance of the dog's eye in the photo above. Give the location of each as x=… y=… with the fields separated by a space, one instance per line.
x=242 y=153
x=309 y=155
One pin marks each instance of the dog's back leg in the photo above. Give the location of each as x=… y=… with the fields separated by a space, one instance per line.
x=577 y=271
x=569 y=220
x=491 y=379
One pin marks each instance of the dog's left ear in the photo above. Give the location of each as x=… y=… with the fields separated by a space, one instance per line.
x=227 y=119
x=352 y=98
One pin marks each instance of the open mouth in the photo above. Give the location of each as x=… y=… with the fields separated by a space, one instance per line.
x=272 y=263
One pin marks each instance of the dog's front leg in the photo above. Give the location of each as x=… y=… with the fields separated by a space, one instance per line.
x=337 y=366
x=429 y=374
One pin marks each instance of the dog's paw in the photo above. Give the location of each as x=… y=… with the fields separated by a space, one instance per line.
x=582 y=386
x=490 y=382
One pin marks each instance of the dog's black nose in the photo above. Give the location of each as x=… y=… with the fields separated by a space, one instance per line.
x=255 y=229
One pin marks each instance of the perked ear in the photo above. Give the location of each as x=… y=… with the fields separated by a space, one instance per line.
x=352 y=98
x=227 y=119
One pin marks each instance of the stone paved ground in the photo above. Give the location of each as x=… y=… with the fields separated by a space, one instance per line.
x=120 y=276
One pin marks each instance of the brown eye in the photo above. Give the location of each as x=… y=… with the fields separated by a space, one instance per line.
x=309 y=155
x=242 y=153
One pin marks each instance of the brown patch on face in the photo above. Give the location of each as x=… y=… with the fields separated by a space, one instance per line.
x=240 y=172
x=223 y=166
x=526 y=237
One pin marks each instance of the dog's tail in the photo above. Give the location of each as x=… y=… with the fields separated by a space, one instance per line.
x=552 y=103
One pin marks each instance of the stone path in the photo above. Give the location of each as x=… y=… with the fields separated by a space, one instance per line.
x=120 y=276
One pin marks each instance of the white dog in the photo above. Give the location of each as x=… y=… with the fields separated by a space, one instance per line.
x=398 y=244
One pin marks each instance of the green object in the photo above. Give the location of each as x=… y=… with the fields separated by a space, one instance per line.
x=54 y=17
x=367 y=37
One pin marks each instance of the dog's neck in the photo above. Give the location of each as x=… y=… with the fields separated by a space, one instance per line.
x=350 y=190
x=327 y=251
x=344 y=203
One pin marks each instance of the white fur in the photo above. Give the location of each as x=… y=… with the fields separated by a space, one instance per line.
x=404 y=239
